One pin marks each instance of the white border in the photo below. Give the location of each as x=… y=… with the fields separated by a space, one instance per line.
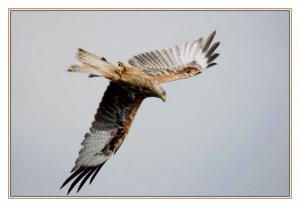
x=5 y=4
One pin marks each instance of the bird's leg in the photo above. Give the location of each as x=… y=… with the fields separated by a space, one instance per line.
x=120 y=64
x=119 y=73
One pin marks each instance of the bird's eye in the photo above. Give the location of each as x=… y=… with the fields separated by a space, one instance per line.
x=120 y=64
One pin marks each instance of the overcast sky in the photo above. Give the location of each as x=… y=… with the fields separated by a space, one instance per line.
x=222 y=133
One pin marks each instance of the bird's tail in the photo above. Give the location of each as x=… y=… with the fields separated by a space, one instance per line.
x=93 y=65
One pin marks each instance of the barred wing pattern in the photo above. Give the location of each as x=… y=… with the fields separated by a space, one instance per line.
x=178 y=62
x=110 y=127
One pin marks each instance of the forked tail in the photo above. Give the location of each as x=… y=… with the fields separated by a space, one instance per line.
x=93 y=65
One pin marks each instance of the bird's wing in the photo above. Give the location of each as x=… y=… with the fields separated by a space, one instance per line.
x=112 y=122
x=178 y=62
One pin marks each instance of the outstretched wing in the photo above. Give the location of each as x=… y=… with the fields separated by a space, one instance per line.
x=178 y=62
x=109 y=129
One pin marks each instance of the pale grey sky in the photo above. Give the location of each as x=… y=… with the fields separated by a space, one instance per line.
x=222 y=133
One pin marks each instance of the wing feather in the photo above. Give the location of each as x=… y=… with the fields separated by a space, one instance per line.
x=176 y=52
x=96 y=172
x=90 y=172
x=208 y=41
x=213 y=57
x=162 y=60
x=176 y=62
x=212 y=49
x=110 y=127
x=78 y=178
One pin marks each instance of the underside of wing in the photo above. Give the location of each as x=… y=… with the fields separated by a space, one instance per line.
x=110 y=127
x=178 y=62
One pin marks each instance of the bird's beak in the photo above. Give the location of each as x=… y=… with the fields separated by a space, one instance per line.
x=163 y=98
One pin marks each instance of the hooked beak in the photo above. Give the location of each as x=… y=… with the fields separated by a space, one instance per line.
x=163 y=98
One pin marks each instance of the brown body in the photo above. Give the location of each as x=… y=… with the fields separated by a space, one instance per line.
x=138 y=78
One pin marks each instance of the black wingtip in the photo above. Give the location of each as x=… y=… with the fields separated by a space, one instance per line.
x=86 y=178
x=209 y=40
x=211 y=64
x=69 y=191
x=96 y=172
x=213 y=34
x=81 y=174
x=79 y=177
x=92 y=76
x=71 y=177
x=211 y=50
x=213 y=57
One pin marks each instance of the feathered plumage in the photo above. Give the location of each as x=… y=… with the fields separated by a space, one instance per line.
x=178 y=62
x=129 y=86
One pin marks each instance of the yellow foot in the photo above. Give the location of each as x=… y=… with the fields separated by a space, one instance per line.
x=119 y=73
x=120 y=64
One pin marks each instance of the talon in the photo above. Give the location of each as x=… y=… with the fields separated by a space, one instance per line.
x=119 y=73
x=120 y=64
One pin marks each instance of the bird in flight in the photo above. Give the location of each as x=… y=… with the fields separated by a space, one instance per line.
x=128 y=87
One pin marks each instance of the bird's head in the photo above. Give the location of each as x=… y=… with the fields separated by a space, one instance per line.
x=159 y=92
